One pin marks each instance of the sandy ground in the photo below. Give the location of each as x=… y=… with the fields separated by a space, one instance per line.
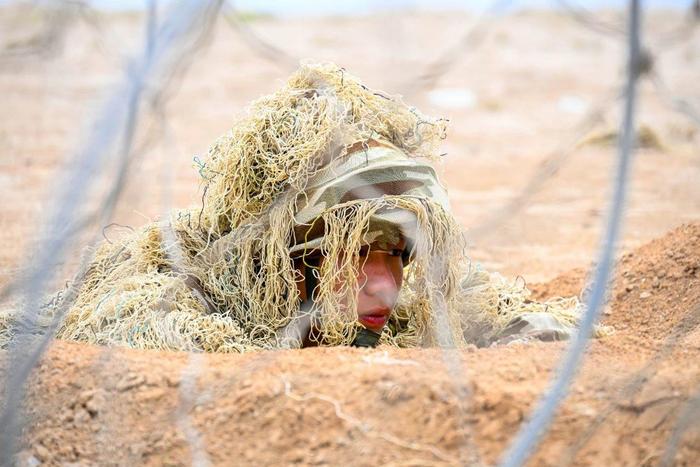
x=526 y=87
x=343 y=406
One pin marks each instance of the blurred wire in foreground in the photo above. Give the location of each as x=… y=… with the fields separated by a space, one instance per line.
x=634 y=384
x=588 y=19
x=470 y=40
x=685 y=32
x=531 y=432
x=680 y=105
x=48 y=39
x=267 y=50
x=547 y=168
x=111 y=138
x=688 y=417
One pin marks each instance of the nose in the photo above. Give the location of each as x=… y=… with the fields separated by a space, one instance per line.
x=382 y=277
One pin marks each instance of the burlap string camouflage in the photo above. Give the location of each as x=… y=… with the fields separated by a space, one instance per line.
x=324 y=163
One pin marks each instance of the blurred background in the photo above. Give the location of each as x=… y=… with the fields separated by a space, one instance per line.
x=530 y=88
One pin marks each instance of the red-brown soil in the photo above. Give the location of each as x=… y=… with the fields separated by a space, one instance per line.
x=344 y=406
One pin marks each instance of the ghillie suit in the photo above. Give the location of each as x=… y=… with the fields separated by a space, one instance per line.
x=323 y=164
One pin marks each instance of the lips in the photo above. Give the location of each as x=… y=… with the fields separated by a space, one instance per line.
x=375 y=319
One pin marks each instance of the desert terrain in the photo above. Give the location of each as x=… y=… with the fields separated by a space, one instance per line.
x=516 y=98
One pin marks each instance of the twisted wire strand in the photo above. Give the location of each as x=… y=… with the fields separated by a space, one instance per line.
x=634 y=383
x=688 y=416
x=587 y=18
x=548 y=168
x=264 y=48
x=470 y=40
x=111 y=134
x=531 y=432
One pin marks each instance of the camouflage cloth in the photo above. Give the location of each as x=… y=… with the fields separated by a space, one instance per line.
x=534 y=326
x=369 y=170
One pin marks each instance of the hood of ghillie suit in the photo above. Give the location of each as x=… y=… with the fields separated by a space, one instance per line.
x=323 y=152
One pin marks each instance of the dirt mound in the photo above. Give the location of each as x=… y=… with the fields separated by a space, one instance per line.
x=345 y=406
x=654 y=285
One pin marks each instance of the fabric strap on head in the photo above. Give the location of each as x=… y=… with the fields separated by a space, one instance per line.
x=368 y=171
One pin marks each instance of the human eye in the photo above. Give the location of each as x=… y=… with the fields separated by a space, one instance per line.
x=396 y=252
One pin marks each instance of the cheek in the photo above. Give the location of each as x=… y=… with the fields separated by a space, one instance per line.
x=396 y=268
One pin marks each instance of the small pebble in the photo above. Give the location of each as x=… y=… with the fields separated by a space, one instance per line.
x=41 y=453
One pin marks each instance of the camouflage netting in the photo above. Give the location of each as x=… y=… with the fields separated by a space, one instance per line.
x=219 y=278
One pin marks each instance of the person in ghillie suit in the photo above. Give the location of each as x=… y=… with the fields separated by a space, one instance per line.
x=322 y=223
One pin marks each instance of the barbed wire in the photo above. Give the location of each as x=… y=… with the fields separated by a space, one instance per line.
x=472 y=37
x=265 y=49
x=589 y=20
x=57 y=18
x=107 y=362
x=686 y=30
x=115 y=128
x=156 y=93
x=685 y=420
x=531 y=432
x=552 y=164
x=634 y=383
x=470 y=40
x=678 y=104
x=547 y=168
x=49 y=38
x=664 y=41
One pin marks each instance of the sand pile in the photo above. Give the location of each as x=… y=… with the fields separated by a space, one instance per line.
x=655 y=284
x=350 y=406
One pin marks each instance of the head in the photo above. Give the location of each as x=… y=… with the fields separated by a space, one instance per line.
x=331 y=174
x=325 y=171
x=354 y=234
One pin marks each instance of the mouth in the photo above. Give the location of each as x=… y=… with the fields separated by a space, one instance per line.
x=375 y=319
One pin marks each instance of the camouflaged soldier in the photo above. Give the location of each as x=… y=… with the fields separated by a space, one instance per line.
x=322 y=223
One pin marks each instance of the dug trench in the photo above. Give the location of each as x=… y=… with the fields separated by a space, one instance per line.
x=89 y=405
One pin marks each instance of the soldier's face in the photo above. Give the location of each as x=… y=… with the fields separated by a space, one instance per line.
x=379 y=281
